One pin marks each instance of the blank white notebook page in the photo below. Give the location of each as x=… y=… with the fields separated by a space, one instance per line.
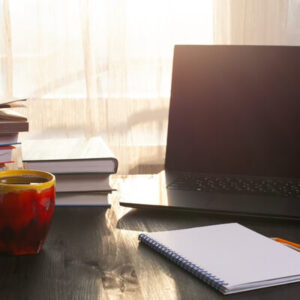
x=234 y=254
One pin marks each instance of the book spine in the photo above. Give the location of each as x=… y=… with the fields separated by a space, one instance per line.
x=184 y=263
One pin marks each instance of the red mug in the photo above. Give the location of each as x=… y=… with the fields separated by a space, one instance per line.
x=27 y=200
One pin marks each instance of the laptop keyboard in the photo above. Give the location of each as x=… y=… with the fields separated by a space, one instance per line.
x=237 y=184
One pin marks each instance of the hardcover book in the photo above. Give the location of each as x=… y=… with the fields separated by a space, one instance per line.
x=82 y=199
x=65 y=156
x=7 y=139
x=6 y=154
x=9 y=126
x=83 y=182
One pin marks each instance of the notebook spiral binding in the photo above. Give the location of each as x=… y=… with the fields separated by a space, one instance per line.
x=184 y=263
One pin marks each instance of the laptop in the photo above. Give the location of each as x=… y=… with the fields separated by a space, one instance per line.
x=233 y=143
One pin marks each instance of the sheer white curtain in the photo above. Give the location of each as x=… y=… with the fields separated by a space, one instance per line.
x=103 y=67
x=258 y=22
x=99 y=67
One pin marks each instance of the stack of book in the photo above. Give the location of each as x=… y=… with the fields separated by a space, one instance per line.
x=82 y=168
x=11 y=123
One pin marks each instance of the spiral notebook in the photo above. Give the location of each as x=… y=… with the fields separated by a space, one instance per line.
x=229 y=257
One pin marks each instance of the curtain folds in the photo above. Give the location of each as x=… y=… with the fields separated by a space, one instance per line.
x=103 y=67
x=258 y=22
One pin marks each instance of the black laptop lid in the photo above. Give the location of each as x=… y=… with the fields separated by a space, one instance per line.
x=235 y=110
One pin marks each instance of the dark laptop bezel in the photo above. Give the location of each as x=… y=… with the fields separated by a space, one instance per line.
x=232 y=204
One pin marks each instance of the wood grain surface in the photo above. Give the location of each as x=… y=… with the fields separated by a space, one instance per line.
x=93 y=253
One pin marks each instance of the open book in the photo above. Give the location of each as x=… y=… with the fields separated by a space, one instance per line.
x=14 y=102
x=7 y=114
x=229 y=257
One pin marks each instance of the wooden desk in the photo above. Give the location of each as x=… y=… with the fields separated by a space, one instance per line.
x=93 y=253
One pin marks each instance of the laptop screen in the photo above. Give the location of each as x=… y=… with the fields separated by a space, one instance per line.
x=235 y=110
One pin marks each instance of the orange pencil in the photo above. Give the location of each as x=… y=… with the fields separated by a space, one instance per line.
x=295 y=245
